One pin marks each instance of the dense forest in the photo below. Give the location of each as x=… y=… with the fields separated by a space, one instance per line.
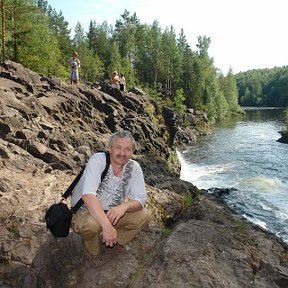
x=263 y=88
x=155 y=59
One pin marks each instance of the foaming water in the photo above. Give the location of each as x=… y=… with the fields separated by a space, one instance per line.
x=263 y=184
x=245 y=156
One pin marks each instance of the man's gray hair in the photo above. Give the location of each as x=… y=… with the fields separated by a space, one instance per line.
x=123 y=134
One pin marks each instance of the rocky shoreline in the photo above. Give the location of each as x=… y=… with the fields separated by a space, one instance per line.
x=48 y=129
x=284 y=137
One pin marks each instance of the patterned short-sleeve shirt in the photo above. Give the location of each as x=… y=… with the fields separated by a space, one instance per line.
x=113 y=190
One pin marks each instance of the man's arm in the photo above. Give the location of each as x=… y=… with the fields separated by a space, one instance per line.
x=115 y=213
x=94 y=207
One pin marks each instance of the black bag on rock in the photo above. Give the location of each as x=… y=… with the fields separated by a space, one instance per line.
x=58 y=216
x=58 y=219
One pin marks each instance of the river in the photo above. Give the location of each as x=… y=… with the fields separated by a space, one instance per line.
x=245 y=155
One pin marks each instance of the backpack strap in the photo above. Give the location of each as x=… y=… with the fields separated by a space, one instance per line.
x=69 y=190
x=107 y=165
x=80 y=201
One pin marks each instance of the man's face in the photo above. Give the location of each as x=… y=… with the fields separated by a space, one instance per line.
x=121 y=150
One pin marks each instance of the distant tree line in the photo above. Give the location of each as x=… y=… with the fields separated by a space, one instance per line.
x=156 y=60
x=263 y=87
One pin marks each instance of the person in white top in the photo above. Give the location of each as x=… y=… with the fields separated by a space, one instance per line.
x=113 y=210
x=115 y=80
x=74 y=64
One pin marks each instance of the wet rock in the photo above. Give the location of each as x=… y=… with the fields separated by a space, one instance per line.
x=284 y=137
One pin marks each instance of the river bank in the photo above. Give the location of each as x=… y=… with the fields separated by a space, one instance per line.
x=48 y=129
x=253 y=166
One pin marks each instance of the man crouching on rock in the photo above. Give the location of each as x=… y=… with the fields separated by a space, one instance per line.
x=113 y=211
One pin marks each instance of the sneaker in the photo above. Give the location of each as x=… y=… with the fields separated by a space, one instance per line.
x=95 y=260
x=115 y=250
x=119 y=249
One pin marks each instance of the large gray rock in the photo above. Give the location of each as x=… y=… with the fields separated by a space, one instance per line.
x=49 y=129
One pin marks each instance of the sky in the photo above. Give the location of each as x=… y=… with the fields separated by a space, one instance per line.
x=245 y=34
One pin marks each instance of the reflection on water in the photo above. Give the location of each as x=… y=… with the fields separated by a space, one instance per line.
x=261 y=115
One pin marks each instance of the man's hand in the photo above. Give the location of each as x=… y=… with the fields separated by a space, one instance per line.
x=115 y=213
x=109 y=235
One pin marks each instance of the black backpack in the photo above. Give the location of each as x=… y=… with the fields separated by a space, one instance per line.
x=58 y=216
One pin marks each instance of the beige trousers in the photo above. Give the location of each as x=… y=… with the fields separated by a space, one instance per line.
x=127 y=227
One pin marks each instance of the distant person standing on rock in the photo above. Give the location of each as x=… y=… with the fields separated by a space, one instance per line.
x=74 y=64
x=115 y=80
x=122 y=82
x=113 y=212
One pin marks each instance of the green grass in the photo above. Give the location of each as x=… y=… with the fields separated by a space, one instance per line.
x=166 y=231
x=187 y=200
